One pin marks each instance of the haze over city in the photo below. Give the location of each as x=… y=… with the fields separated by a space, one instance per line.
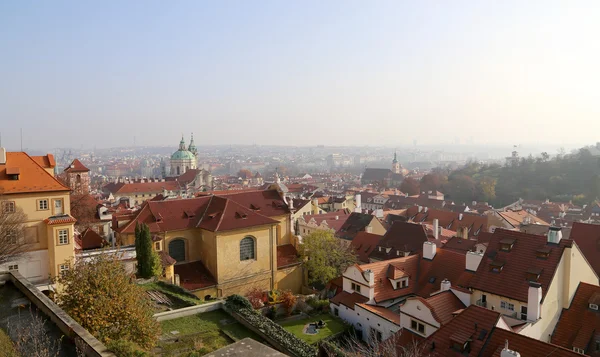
x=305 y=73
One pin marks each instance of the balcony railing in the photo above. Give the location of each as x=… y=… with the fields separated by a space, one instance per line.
x=481 y=303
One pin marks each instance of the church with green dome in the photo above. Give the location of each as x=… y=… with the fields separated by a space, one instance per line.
x=184 y=159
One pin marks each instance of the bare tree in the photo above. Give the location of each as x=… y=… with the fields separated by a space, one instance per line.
x=31 y=337
x=355 y=347
x=12 y=234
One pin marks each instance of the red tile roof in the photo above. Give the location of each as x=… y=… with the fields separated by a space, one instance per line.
x=446 y=264
x=387 y=314
x=76 y=166
x=62 y=219
x=194 y=276
x=165 y=259
x=511 y=280
x=578 y=324
x=364 y=243
x=403 y=237
x=142 y=187
x=516 y=218
x=213 y=213
x=91 y=240
x=335 y=220
x=587 y=237
x=32 y=176
x=476 y=223
x=444 y=305
x=356 y=222
x=46 y=161
x=268 y=202
x=383 y=287
x=460 y=245
x=525 y=346
x=348 y=299
x=474 y=322
x=287 y=256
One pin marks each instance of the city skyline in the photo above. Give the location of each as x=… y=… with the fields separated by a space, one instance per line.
x=299 y=74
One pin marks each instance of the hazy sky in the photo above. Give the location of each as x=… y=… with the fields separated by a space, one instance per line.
x=299 y=72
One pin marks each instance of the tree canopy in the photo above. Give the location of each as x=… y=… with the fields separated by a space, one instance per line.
x=325 y=256
x=101 y=297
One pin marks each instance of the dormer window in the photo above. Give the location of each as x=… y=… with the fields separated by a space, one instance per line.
x=13 y=173
x=355 y=287
x=533 y=274
x=543 y=253
x=594 y=307
x=402 y=283
x=506 y=244
x=496 y=266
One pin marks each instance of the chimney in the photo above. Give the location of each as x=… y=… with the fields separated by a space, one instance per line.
x=429 y=250
x=534 y=297
x=507 y=352
x=337 y=218
x=2 y=156
x=554 y=235
x=369 y=229
x=436 y=231
x=420 y=208
x=370 y=277
x=460 y=216
x=425 y=209
x=357 y=203
x=472 y=260
x=291 y=203
x=445 y=285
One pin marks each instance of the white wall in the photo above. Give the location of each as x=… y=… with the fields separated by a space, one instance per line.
x=354 y=275
x=32 y=265
x=415 y=309
x=364 y=320
x=465 y=298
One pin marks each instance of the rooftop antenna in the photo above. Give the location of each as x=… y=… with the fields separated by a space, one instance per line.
x=21 y=139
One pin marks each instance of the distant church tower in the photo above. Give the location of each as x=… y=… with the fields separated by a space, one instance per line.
x=184 y=159
x=78 y=178
x=395 y=165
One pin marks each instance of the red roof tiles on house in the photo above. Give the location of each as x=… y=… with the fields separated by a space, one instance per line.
x=444 y=305
x=62 y=219
x=268 y=202
x=348 y=299
x=512 y=281
x=287 y=256
x=32 y=177
x=525 y=346
x=475 y=223
x=91 y=240
x=194 y=276
x=587 y=237
x=578 y=324
x=364 y=243
x=387 y=314
x=76 y=166
x=46 y=161
x=384 y=290
x=402 y=237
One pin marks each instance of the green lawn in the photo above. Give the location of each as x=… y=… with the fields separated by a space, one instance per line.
x=333 y=326
x=7 y=348
x=203 y=332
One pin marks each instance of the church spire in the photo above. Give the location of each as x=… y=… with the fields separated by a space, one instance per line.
x=395 y=158
x=182 y=144
x=192 y=147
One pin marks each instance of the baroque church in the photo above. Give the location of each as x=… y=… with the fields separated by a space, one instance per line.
x=184 y=169
x=184 y=159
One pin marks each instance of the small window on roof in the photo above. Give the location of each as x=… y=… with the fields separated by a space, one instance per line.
x=594 y=307
x=432 y=279
x=496 y=266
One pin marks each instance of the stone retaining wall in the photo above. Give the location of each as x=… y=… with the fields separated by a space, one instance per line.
x=187 y=311
x=68 y=326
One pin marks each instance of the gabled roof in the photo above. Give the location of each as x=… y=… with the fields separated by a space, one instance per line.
x=403 y=237
x=587 y=237
x=475 y=223
x=517 y=218
x=266 y=202
x=578 y=324
x=444 y=305
x=387 y=314
x=355 y=223
x=91 y=240
x=384 y=290
x=446 y=264
x=76 y=166
x=348 y=299
x=213 y=213
x=335 y=220
x=45 y=161
x=477 y=326
x=364 y=243
x=511 y=281
x=32 y=176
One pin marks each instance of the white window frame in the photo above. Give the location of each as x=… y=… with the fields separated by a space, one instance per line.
x=11 y=236
x=63 y=268
x=13 y=267
x=61 y=236
x=43 y=204
x=578 y=350
x=594 y=307
x=9 y=207
x=355 y=287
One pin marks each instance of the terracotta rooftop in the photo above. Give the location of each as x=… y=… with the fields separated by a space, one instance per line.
x=194 y=276
x=384 y=290
x=444 y=305
x=348 y=299
x=62 y=219
x=91 y=240
x=335 y=220
x=446 y=264
x=383 y=312
x=460 y=245
x=76 y=166
x=356 y=222
x=579 y=323
x=512 y=281
x=403 y=237
x=517 y=218
x=266 y=202
x=31 y=178
x=525 y=346
x=165 y=259
x=475 y=223
x=45 y=161
x=364 y=243
x=287 y=256
x=587 y=237
x=142 y=187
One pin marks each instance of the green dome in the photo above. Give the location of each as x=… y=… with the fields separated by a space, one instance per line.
x=182 y=155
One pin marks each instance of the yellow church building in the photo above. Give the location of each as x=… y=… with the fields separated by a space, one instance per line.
x=224 y=243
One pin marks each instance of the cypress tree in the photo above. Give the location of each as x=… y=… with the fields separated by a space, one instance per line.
x=148 y=261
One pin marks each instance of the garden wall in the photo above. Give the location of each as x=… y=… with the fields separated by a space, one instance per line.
x=68 y=326
x=187 y=311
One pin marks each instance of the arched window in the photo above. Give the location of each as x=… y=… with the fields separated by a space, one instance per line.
x=78 y=178
x=247 y=250
x=177 y=250
x=178 y=173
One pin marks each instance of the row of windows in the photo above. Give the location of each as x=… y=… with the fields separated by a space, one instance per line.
x=177 y=249
x=355 y=287
x=62 y=234
x=61 y=268
x=42 y=205
x=417 y=326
